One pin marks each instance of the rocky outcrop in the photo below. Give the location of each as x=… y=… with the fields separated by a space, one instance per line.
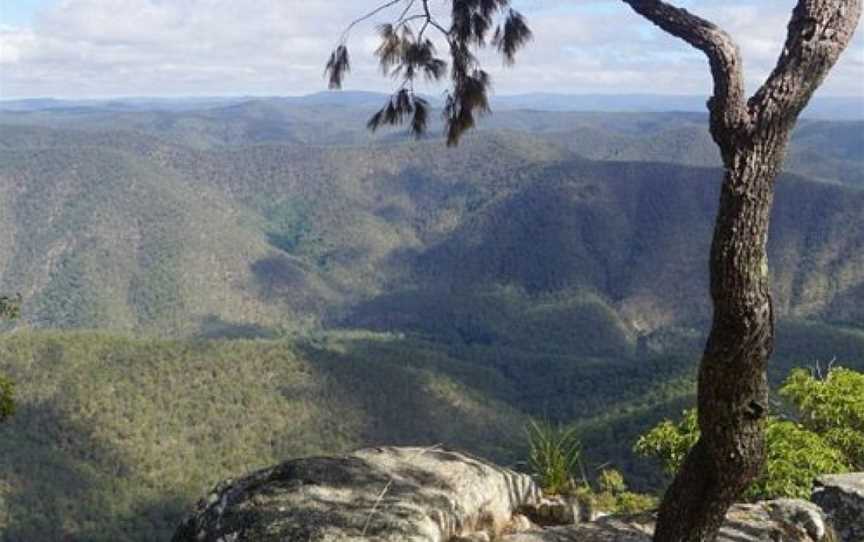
x=435 y=495
x=383 y=494
x=841 y=496
x=786 y=520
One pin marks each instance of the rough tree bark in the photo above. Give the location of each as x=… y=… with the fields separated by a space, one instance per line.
x=752 y=135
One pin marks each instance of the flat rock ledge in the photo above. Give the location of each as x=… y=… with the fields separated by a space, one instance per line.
x=436 y=495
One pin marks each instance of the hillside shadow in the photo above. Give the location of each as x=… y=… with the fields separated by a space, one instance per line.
x=635 y=235
x=407 y=393
x=410 y=399
x=214 y=327
x=282 y=278
x=61 y=484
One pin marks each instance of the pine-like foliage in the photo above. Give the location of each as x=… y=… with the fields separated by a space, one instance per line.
x=407 y=54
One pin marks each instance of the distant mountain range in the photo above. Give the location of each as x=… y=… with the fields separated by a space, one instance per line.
x=824 y=108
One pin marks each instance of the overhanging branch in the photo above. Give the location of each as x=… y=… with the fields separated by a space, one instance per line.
x=727 y=106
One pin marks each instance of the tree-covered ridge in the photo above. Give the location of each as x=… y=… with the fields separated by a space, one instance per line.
x=114 y=438
x=510 y=278
x=345 y=230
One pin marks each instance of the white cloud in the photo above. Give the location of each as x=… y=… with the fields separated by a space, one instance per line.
x=211 y=47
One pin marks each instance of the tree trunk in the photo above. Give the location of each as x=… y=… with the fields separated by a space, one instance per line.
x=752 y=136
x=733 y=389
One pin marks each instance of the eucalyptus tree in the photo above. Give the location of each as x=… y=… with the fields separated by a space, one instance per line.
x=752 y=134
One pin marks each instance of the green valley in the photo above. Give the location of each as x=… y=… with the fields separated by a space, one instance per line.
x=209 y=289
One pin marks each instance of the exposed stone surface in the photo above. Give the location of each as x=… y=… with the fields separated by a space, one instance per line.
x=434 y=495
x=383 y=494
x=606 y=529
x=841 y=497
x=554 y=511
x=521 y=523
x=797 y=515
x=773 y=521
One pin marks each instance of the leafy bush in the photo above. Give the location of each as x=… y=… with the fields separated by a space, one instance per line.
x=833 y=407
x=796 y=457
x=555 y=461
x=614 y=497
x=827 y=438
x=669 y=441
x=554 y=456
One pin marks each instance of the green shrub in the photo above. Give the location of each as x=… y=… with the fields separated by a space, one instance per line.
x=669 y=441
x=614 y=497
x=831 y=406
x=829 y=438
x=634 y=503
x=796 y=457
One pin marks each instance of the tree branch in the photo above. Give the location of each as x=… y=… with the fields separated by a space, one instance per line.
x=427 y=12
x=728 y=107
x=369 y=15
x=819 y=32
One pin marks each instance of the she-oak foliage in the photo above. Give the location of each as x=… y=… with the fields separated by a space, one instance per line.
x=407 y=53
x=752 y=135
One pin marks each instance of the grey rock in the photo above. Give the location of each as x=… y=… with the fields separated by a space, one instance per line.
x=798 y=515
x=473 y=537
x=605 y=529
x=383 y=494
x=521 y=523
x=841 y=497
x=763 y=522
x=554 y=511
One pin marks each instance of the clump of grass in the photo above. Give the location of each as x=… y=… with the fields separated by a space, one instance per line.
x=555 y=455
x=555 y=460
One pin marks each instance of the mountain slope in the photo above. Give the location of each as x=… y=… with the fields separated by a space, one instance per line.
x=553 y=266
x=127 y=231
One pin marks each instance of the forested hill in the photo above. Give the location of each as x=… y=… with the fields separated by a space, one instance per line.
x=552 y=266
x=266 y=216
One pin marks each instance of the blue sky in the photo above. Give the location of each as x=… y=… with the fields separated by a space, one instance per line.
x=21 y=12
x=97 y=48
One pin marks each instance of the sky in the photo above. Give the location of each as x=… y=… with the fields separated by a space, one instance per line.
x=110 y=48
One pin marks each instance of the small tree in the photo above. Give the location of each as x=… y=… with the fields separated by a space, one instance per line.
x=752 y=135
x=9 y=310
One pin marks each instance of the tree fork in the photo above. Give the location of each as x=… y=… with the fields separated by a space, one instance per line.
x=733 y=389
